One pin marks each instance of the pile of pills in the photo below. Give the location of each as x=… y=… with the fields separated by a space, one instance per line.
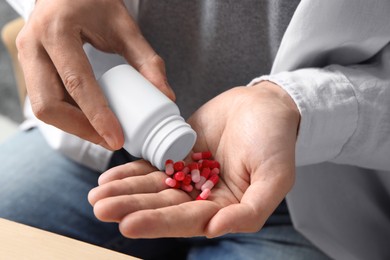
x=201 y=174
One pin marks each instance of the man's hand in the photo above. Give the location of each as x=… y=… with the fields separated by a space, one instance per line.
x=59 y=79
x=252 y=132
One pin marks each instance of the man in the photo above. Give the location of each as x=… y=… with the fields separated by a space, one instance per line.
x=251 y=130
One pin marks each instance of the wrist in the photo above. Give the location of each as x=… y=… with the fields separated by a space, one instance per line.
x=278 y=94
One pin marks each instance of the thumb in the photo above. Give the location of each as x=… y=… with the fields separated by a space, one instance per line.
x=260 y=199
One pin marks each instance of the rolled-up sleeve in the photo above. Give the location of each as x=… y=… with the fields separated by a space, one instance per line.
x=345 y=107
x=345 y=112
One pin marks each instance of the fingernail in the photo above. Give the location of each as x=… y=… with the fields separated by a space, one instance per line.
x=112 y=141
x=101 y=179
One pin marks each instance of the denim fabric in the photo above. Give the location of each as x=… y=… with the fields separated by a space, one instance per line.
x=44 y=189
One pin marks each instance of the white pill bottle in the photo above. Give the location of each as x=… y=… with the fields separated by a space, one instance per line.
x=151 y=122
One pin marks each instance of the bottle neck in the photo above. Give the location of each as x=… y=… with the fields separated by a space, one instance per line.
x=172 y=138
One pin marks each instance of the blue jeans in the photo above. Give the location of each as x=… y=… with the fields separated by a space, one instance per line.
x=41 y=188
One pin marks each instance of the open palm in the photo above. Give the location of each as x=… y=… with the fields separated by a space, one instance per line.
x=251 y=131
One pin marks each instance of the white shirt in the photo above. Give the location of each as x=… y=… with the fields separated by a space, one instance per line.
x=345 y=119
x=334 y=61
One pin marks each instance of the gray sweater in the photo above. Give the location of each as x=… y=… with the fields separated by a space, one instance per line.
x=210 y=46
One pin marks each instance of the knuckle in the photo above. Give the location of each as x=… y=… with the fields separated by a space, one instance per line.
x=154 y=69
x=99 y=116
x=52 y=29
x=21 y=42
x=155 y=61
x=41 y=109
x=158 y=61
x=96 y=118
x=73 y=83
x=100 y=211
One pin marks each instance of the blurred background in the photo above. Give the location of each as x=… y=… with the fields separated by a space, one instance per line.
x=10 y=108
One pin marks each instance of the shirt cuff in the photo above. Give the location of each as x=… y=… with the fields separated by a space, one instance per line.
x=328 y=108
x=81 y=151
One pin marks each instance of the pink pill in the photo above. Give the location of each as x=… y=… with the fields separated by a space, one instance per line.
x=169 y=167
x=201 y=155
x=171 y=182
x=211 y=182
x=195 y=176
x=204 y=194
x=195 y=173
x=203 y=178
x=201 y=174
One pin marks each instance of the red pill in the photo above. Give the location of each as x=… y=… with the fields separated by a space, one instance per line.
x=179 y=176
x=205 y=173
x=215 y=171
x=187 y=179
x=169 y=167
x=206 y=164
x=193 y=166
x=215 y=164
x=204 y=194
x=201 y=174
x=178 y=166
x=201 y=155
x=203 y=178
x=200 y=165
x=211 y=182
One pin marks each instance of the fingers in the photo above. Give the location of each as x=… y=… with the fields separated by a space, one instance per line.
x=52 y=104
x=76 y=74
x=60 y=36
x=114 y=209
x=235 y=218
x=47 y=95
x=257 y=204
x=184 y=220
x=145 y=201
x=152 y=182
x=140 y=167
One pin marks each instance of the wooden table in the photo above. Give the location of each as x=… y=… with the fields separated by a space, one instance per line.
x=19 y=241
